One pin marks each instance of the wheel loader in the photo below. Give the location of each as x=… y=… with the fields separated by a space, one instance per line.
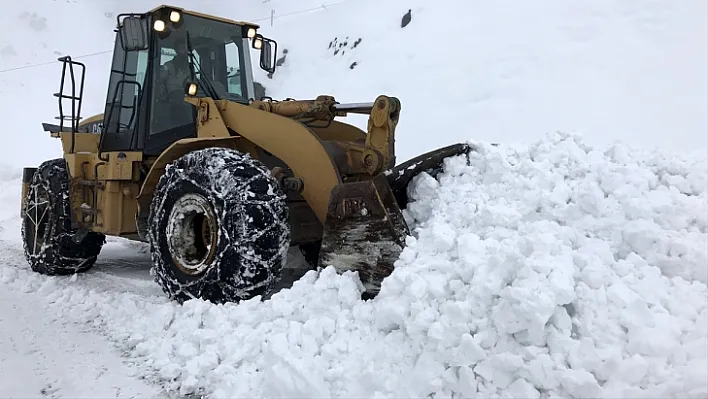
x=219 y=183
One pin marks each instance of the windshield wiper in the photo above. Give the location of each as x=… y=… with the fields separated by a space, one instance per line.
x=203 y=79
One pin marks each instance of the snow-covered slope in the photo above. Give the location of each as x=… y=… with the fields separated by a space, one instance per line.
x=33 y=34
x=505 y=70
x=498 y=71
x=555 y=266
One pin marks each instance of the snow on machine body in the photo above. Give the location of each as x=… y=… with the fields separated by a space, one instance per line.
x=219 y=183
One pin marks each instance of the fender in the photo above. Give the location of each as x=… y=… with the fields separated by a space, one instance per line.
x=174 y=151
x=288 y=140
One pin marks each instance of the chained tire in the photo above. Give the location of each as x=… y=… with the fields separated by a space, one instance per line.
x=47 y=234
x=218 y=227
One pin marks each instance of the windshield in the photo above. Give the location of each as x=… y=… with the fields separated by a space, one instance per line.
x=217 y=48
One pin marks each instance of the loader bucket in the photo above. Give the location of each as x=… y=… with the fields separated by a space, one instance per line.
x=365 y=230
x=431 y=162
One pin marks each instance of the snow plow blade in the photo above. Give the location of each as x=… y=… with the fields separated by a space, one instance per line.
x=365 y=230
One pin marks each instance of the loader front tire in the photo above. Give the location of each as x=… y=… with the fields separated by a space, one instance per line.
x=218 y=227
x=46 y=225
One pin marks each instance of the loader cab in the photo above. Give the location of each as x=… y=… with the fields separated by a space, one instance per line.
x=156 y=57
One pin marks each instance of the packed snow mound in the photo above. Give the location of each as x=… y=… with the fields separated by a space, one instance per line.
x=553 y=269
x=560 y=269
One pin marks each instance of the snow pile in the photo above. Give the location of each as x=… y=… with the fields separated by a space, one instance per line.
x=561 y=269
x=553 y=269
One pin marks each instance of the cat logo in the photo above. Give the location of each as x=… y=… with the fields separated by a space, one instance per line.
x=97 y=128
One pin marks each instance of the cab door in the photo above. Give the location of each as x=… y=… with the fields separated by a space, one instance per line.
x=126 y=110
x=172 y=118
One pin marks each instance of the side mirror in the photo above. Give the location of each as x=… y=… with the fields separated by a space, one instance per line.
x=269 y=49
x=133 y=32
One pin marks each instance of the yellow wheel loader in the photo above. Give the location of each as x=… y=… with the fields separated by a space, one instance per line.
x=219 y=183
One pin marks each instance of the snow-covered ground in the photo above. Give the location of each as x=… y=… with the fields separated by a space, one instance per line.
x=548 y=269
x=45 y=356
x=557 y=265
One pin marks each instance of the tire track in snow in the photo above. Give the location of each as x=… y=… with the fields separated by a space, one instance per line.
x=45 y=356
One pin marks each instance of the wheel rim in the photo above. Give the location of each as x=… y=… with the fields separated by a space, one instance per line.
x=192 y=233
x=37 y=215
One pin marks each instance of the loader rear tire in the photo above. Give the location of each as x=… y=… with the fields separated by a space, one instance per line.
x=218 y=227
x=46 y=225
